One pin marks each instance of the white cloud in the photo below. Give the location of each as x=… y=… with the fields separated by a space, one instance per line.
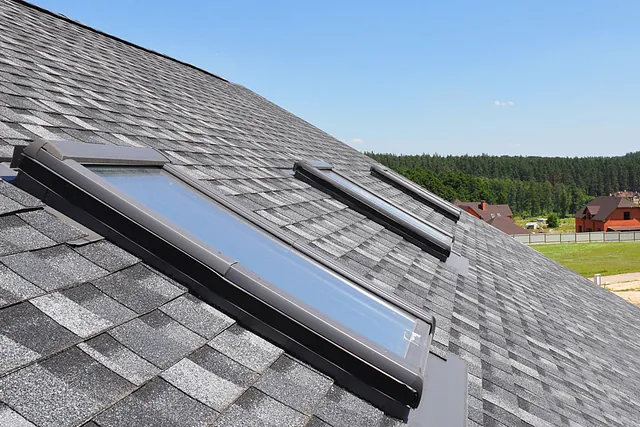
x=357 y=141
x=503 y=103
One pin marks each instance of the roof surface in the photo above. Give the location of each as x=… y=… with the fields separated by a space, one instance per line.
x=603 y=206
x=624 y=227
x=91 y=333
x=506 y=225
x=489 y=212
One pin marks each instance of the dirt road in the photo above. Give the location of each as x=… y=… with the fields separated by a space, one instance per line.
x=626 y=286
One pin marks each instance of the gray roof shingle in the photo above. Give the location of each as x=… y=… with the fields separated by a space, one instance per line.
x=91 y=332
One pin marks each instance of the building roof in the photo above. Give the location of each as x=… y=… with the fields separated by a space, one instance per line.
x=635 y=227
x=489 y=212
x=601 y=207
x=507 y=226
x=90 y=333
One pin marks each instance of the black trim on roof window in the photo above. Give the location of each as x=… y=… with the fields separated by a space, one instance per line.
x=393 y=383
x=443 y=207
x=417 y=231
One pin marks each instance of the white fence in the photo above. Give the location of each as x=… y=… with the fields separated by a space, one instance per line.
x=596 y=236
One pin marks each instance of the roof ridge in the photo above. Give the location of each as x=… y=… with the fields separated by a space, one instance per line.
x=111 y=36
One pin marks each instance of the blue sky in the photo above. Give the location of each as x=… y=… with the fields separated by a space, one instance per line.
x=550 y=78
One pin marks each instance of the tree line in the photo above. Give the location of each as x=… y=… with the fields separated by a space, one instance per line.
x=530 y=185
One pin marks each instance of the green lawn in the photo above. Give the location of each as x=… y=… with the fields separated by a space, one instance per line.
x=567 y=225
x=588 y=259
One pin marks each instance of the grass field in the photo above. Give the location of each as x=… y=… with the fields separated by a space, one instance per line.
x=567 y=225
x=588 y=259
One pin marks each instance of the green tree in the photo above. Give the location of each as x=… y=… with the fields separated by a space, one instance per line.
x=553 y=221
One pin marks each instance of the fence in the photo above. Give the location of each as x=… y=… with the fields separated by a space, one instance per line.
x=596 y=236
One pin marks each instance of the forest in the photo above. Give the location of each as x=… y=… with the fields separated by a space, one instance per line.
x=532 y=186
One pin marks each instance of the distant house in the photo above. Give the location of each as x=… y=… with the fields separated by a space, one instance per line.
x=608 y=213
x=632 y=196
x=499 y=216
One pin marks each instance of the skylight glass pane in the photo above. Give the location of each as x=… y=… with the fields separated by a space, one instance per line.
x=307 y=281
x=382 y=204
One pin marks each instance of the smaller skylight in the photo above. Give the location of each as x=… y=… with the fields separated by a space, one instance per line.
x=411 y=188
x=421 y=233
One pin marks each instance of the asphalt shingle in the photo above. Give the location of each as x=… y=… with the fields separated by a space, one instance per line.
x=51 y=226
x=17 y=326
x=536 y=341
x=340 y=408
x=8 y=205
x=197 y=315
x=10 y=418
x=14 y=288
x=23 y=199
x=115 y=356
x=138 y=288
x=294 y=384
x=107 y=255
x=246 y=348
x=158 y=338
x=63 y=390
x=160 y=404
x=53 y=268
x=17 y=236
x=72 y=316
x=210 y=377
x=256 y=409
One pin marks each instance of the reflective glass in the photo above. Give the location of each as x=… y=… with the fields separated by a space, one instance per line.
x=330 y=294
x=382 y=204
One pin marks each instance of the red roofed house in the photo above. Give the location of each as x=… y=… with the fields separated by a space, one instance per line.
x=500 y=216
x=608 y=213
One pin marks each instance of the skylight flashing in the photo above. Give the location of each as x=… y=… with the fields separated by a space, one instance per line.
x=97 y=154
x=6 y=173
x=390 y=382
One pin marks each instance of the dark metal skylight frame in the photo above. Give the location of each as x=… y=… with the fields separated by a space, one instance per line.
x=51 y=171
x=428 y=237
x=443 y=207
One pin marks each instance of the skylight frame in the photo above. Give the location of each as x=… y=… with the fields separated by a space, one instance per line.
x=363 y=361
x=404 y=184
x=315 y=174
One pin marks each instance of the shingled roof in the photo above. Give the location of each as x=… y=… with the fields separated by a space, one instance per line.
x=506 y=225
x=603 y=206
x=90 y=334
x=489 y=212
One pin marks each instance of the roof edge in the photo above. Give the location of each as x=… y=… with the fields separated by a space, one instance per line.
x=111 y=36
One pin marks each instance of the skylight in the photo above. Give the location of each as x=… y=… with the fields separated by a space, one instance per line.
x=409 y=187
x=287 y=270
x=420 y=232
x=366 y=341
